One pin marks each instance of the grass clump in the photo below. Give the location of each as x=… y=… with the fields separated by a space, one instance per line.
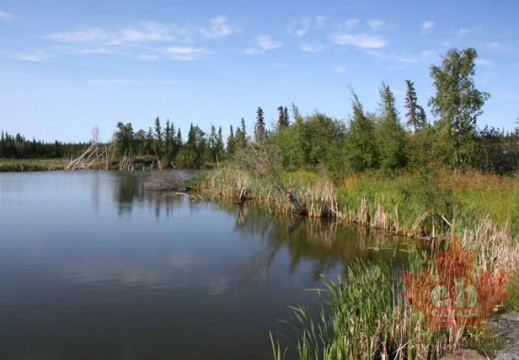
x=362 y=316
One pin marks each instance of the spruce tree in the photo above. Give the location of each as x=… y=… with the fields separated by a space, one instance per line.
x=391 y=135
x=231 y=143
x=360 y=147
x=415 y=113
x=259 y=130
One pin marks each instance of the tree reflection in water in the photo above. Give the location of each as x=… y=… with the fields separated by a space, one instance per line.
x=327 y=244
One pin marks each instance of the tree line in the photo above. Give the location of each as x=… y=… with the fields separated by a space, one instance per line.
x=17 y=146
x=380 y=140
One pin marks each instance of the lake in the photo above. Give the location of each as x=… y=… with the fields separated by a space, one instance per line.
x=93 y=267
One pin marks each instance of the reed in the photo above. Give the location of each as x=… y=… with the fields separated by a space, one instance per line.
x=356 y=320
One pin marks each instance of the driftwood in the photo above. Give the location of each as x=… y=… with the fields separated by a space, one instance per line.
x=166 y=182
x=92 y=155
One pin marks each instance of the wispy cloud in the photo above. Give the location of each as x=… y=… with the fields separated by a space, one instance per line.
x=428 y=25
x=4 y=16
x=147 y=41
x=349 y=24
x=185 y=53
x=110 y=81
x=339 y=69
x=404 y=59
x=431 y=54
x=464 y=31
x=499 y=47
x=312 y=48
x=306 y=24
x=484 y=62
x=509 y=96
x=251 y=51
x=362 y=40
x=375 y=24
x=267 y=43
x=219 y=28
x=32 y=57
x=146 y=32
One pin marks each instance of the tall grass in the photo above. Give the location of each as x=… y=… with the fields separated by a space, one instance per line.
x=415 y=205
x=356 y=320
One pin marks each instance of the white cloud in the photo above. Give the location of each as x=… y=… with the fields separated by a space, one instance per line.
x=300 y=28
x=251 y=51
x=375 y=24
x=362 y=40
x=404 y=59
x=339 y=69
x=497 y=46
x=185 y=53
x=147 y=32
x=350 y=24
x=312 y=48
x=113 y=82
x=428 y=25
x=464 y=31
x=484 y=62
x=320 y=20
x=279 y=65
x=509 y=96
x=4 y=16
x=303 y=26
x=219 y=28
x=33 y=57
x=83 y=36
x=431 y=55
x=170 y=41
x=267 y=43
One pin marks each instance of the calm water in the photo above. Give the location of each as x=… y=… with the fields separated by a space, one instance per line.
x=92 y=267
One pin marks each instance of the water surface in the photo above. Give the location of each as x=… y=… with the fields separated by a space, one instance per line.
x=93 y=267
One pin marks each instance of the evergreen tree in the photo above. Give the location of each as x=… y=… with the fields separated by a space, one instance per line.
x=231 y=143
x=219 y=145
x=360 y=147
x=415 y=113
x=241 y=135
x=158 y=137
x=283 y=121
x=259 y=130
x=391 y=135
x=212 y=145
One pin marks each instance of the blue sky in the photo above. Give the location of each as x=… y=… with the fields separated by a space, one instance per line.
x=66 y=66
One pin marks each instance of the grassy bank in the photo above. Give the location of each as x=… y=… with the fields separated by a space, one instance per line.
x=22 y=165
x=411 y=204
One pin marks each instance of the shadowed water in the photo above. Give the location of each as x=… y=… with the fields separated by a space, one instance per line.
x=93 y=267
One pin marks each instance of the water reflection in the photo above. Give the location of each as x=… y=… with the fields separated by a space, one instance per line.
x=106 y=270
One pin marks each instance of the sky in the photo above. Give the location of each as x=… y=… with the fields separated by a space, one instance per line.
x=68 y=66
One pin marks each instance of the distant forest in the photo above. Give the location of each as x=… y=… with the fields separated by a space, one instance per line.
x=369 y=140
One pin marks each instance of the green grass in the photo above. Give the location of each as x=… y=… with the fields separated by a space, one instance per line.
x=17 y=165
x=356 y=320
x=421 y=204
